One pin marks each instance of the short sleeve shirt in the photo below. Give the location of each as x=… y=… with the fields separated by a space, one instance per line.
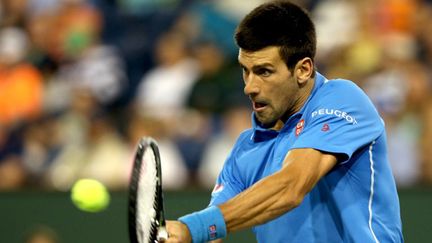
x=356 y=201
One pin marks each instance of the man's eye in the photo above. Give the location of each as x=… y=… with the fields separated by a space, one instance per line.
x=264 y=72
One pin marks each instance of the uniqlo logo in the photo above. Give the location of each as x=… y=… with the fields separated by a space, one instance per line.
x=299 y=127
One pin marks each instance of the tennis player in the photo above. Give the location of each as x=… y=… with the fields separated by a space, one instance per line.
x=313 y=168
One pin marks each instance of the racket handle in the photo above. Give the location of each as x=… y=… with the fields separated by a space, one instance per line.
x=162 y=235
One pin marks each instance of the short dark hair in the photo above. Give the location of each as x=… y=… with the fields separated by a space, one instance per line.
x=282 y=24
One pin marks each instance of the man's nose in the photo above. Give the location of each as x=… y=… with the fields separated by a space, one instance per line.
x=251 y=85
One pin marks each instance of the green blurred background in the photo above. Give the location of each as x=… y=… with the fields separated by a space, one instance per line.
x=23 y=211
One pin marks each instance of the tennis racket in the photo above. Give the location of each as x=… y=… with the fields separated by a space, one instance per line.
x=146 y=212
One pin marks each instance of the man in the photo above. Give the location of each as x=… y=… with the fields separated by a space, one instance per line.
x=314 y=167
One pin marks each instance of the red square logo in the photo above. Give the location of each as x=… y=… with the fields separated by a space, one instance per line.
x=299 y=127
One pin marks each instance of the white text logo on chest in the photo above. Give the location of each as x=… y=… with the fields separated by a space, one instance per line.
x=335 y=112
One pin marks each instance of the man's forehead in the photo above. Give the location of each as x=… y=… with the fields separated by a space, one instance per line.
x=266 y=55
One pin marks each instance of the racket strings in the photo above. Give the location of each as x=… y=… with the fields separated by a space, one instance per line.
x=147 y=223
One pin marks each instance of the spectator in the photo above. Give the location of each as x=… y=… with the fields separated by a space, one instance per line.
x=92 y=147
x=163 y=90
x=84 y=61
x=13 y=13
x=400 y=92
x=219 y=84
x=21 y=83
x=12 y=172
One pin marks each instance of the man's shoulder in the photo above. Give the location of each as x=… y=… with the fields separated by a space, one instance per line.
x=340 y=85
x=344 y=96
x=340 y=90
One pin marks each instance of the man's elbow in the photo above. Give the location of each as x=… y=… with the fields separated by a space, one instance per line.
x=290 y=200
x=295 y=191
x=294 y=200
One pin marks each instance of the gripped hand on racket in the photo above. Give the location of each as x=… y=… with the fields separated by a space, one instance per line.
x=178 y=232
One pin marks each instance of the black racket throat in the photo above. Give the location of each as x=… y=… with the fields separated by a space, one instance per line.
x=146 y=218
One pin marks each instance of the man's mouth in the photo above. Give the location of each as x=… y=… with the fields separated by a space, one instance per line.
x=259 y=106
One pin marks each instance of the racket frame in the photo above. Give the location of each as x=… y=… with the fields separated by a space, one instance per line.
x=160 y=233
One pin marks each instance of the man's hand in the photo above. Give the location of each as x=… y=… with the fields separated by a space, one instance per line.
x=177 y=232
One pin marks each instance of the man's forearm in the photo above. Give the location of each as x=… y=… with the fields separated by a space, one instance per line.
x=264 y=201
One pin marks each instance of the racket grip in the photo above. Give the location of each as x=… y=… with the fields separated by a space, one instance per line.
x=162 y=234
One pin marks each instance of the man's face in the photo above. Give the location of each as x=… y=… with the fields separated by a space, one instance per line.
x=272 y=88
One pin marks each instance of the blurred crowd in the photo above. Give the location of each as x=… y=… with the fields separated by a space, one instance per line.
x=82 y=80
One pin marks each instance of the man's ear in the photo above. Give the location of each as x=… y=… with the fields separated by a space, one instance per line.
x=304 y=70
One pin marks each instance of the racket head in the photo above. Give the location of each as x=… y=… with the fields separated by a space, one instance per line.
x=145 y=202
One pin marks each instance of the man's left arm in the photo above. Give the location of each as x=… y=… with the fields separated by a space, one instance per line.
x=264 y=201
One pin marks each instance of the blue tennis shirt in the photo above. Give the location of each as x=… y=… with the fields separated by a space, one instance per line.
x=356 y=201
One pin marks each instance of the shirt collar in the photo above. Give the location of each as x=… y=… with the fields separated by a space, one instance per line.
x=261 y=134
x=319 y=81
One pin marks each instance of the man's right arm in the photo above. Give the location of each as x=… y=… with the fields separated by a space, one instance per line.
x=265 y=200
x=277 y=193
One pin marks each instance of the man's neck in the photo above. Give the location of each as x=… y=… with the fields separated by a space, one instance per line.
x=278 y=125
x=304 y=94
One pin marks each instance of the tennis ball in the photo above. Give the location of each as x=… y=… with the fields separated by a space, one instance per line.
x=90 y=195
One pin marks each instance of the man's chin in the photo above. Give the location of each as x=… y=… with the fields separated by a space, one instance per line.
x=265 y=122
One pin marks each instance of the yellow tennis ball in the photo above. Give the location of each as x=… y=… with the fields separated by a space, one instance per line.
x=90 y=195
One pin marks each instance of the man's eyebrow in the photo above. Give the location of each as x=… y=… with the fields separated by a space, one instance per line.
x=263 y=65
x=258 y=66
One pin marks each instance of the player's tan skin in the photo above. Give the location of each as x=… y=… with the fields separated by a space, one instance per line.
x=276 y=94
